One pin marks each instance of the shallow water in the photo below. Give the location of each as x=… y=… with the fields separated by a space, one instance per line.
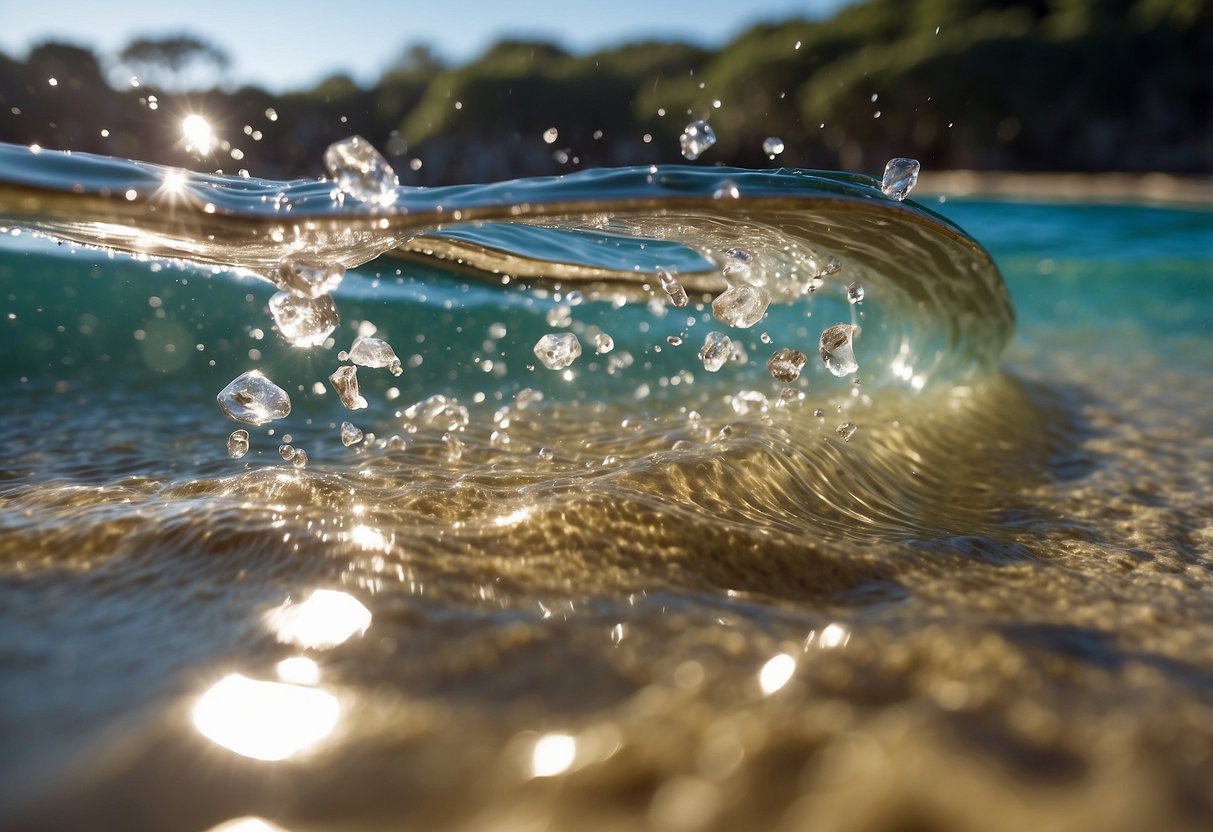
x=663 y=601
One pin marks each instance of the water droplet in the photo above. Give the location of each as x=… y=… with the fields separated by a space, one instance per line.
x=438 y=411
x=360 y=171
x=696 y=137
x=717 y=347
x=728 y=190
x=900 y=177
x=603 y=343
x=741 y=306
x=846 y=430
x=837 y=351
x=350 y=435
x=454 y=447
x=678 y=295
x=345 y=382
x=237 y=443
x=546 y=454
x=764 y=338
x=304 y=321
x=855 y=293
x=790 y=395
x=738 y=266
x=527 y=396
x=375 y=353
x=746 y=402
x=287 y=452
x=299 y=460
x=772 y=146
x=308 y=278
x=558 y=350
x=785 y=364
x=559 y=316
x=253 y=398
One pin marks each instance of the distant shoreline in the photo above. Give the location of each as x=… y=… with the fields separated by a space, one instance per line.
x=1102 y=187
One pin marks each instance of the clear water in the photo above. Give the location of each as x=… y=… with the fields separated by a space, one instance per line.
x=632 y=593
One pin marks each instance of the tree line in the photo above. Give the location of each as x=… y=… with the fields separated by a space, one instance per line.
x=1081 y=85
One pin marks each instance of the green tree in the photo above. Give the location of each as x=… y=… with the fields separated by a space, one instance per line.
x=165 y=60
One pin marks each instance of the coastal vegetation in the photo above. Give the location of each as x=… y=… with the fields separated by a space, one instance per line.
x=1037 y=85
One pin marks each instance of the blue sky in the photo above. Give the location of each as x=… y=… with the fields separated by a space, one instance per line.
x=292 y=45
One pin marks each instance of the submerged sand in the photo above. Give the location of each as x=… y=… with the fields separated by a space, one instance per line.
x=1088 y=187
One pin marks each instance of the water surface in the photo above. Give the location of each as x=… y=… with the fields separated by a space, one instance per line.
x=655 y=596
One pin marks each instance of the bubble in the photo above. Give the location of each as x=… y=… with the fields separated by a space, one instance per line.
x=287 y=452
x=603 y=343
x=696 y=137
x=678 y=295
x=846 y=430
x=299 y=460
x=237 y=443
x=361 y=172
x=900 y=177
x=772 y=146
x=741 y=306
x=558 y=350
x=717 y=347
x=375 y=353
x=304 y=321
x=345 y=382
x=253 y=398
x=350 y=435
x=855 y=293
x=837 y=351
x=308 y=278
x=786 y=363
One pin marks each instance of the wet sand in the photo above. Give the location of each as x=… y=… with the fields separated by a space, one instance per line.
x=1088 y=187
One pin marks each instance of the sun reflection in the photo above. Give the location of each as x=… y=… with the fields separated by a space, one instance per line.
x=247 y=824
x=553 y=755
x=370 y=538
x=199 y=136
x=299 y=670
x=264 y=720
x=834 y=635
x=174 y=181
x=776 y=673
x=513 y=518
x=327 y=618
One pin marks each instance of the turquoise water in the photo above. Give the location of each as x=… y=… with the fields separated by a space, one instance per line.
x=656 y=597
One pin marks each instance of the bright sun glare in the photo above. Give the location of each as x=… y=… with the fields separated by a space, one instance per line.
x=198 y=134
